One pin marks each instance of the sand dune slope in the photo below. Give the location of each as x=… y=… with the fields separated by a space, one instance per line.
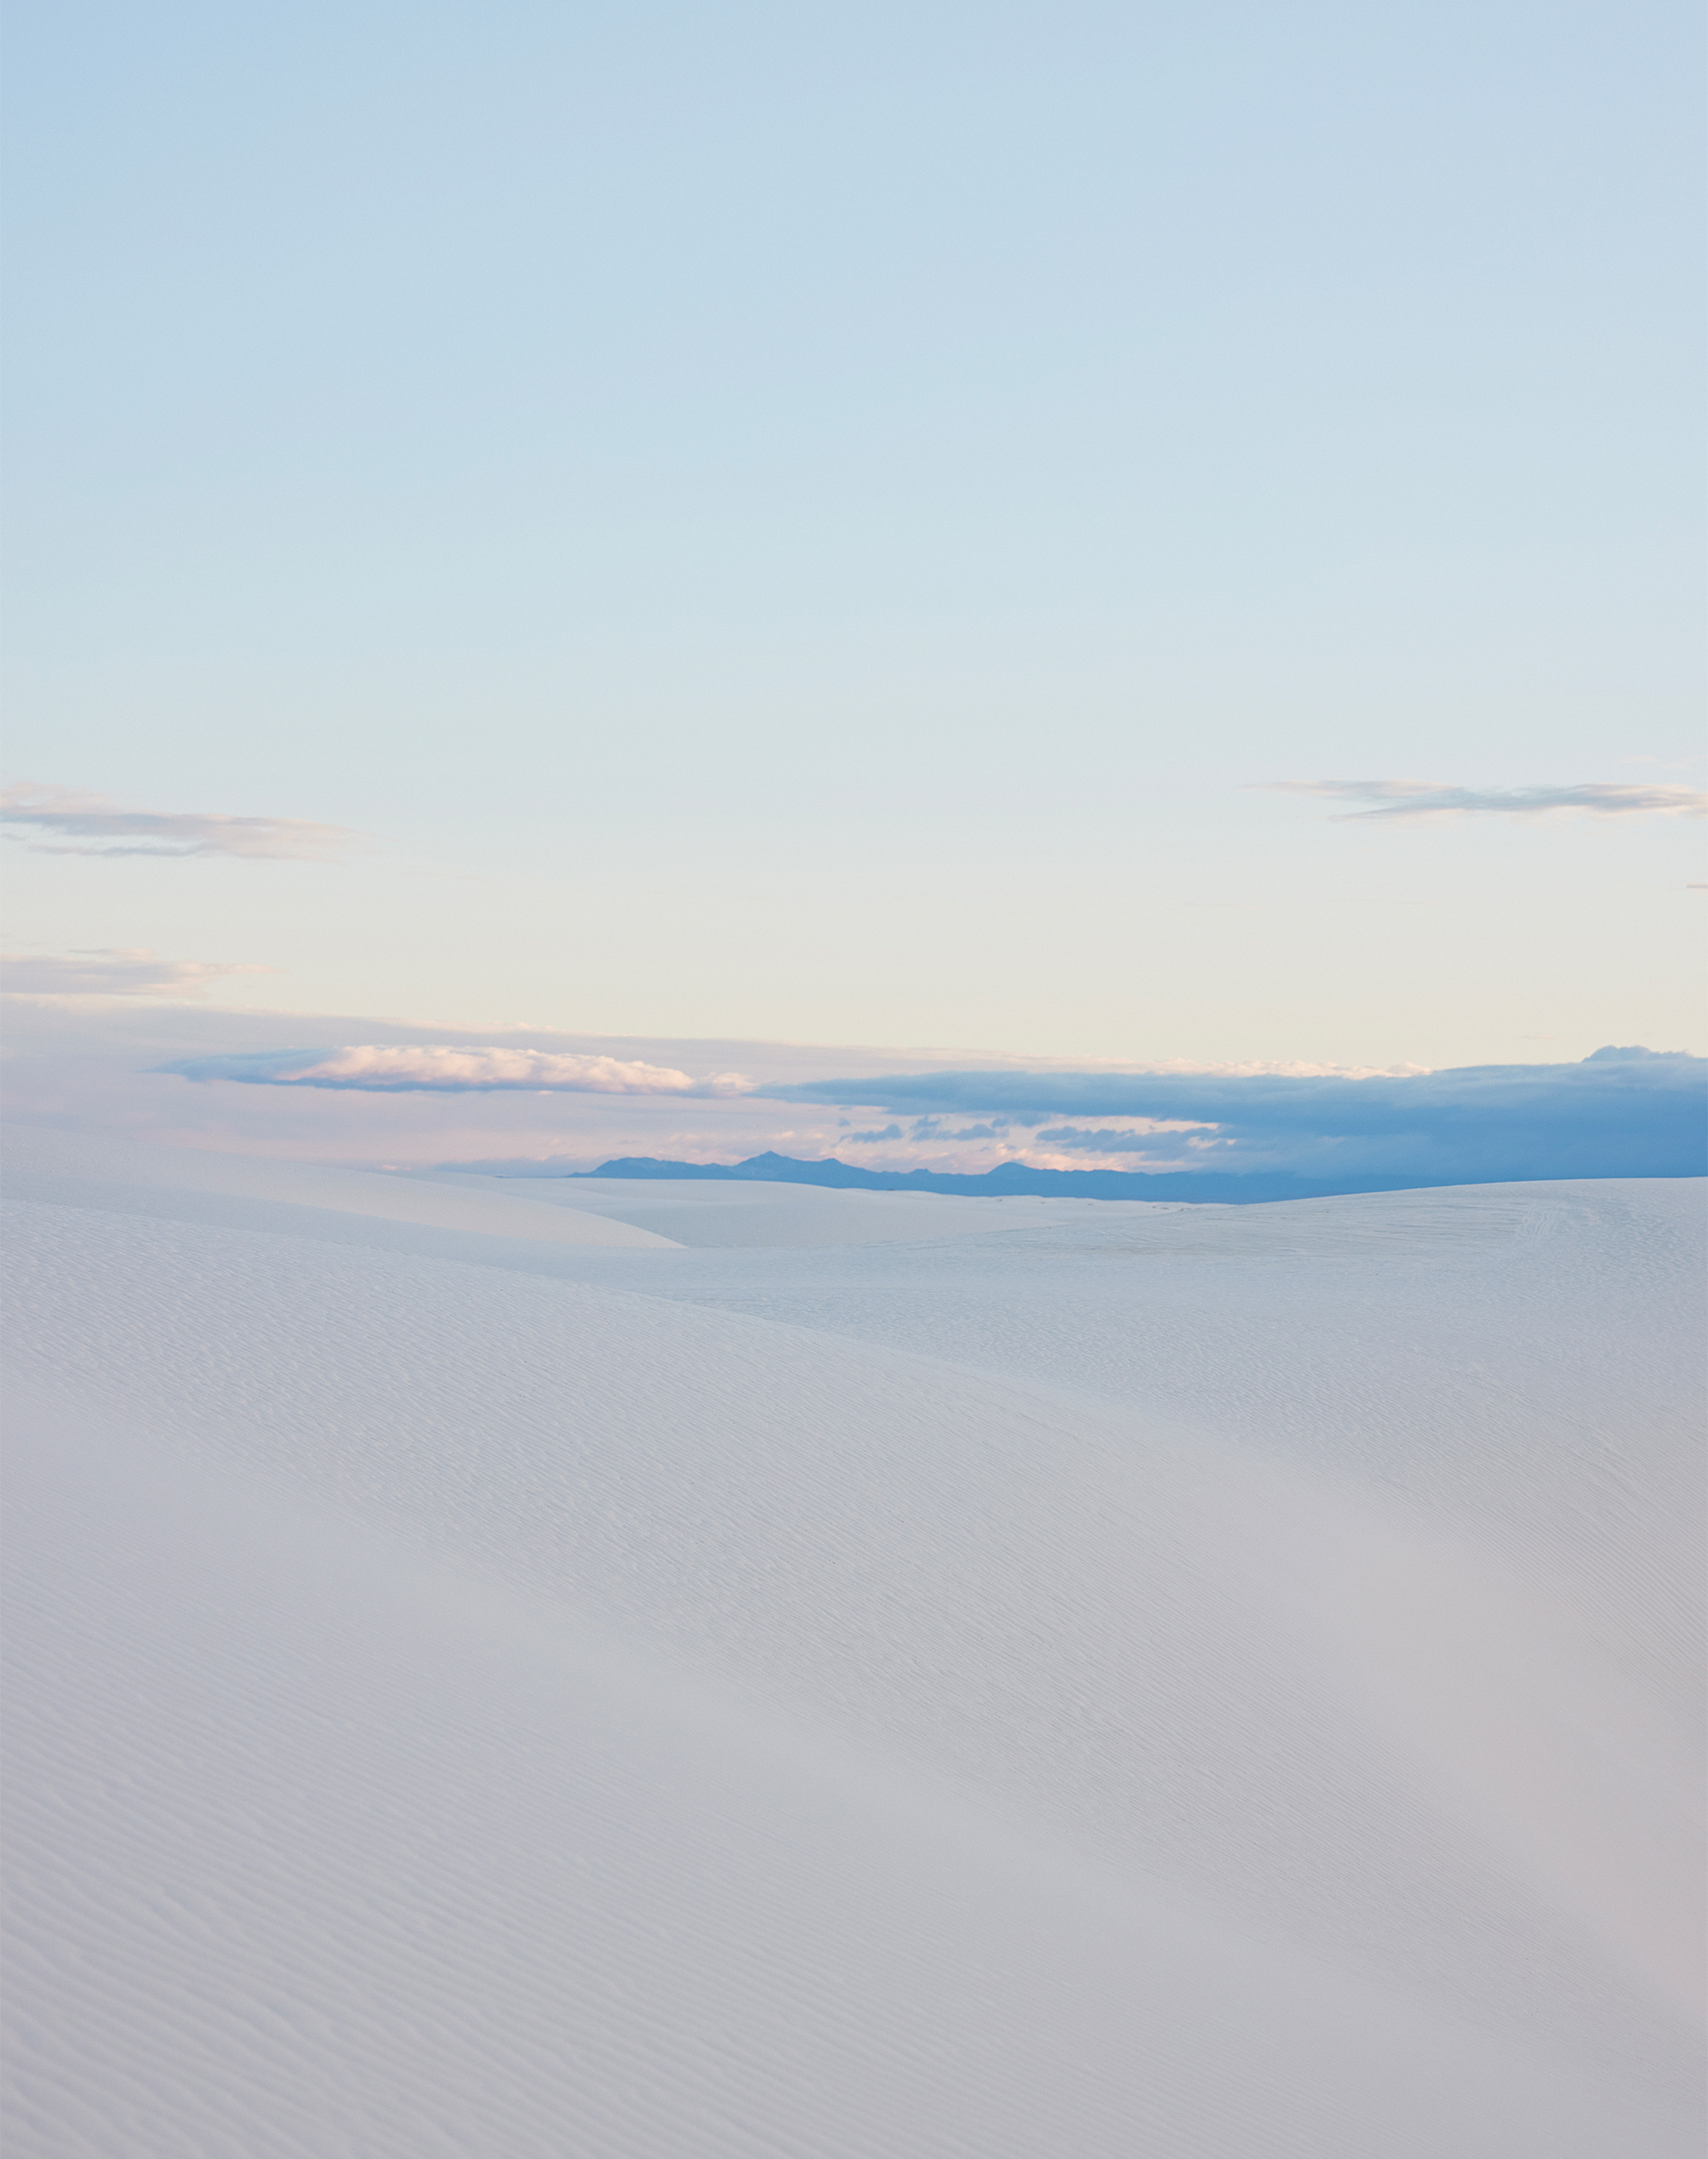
x=491 y=1697
x=195 y=1184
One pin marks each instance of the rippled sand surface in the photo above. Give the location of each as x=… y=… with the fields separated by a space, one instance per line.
x=653 y=1671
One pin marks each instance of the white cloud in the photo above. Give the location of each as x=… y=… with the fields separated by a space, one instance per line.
x=58 y=820
x=1425 y=798
x=443 y=1069
x=130 y=971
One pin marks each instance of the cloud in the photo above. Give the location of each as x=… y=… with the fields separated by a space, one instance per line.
x=1424 y=798
x=1621 y=1112
x=1158 y=1142
x=1147 y=1137
x=130 y=971
x=68 y=823
x=435 y=1069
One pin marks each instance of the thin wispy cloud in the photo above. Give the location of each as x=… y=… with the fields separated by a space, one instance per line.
x=113 y=971
x=1159 y=1142
x=58 y=820
x=1426 y=798
x=377 y=1068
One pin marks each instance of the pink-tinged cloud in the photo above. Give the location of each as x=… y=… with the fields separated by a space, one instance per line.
x=58 y=820
x=1427 y=798
x=130 y=971
x=439 y=1069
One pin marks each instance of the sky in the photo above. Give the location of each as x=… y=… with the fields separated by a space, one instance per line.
x=1170 y=538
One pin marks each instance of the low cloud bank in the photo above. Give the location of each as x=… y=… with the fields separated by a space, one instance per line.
x=1428 y=797
x=438 y=1069
x=1621 y=1112
x=1222 y=1135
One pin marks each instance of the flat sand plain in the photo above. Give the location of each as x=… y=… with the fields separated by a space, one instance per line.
x=509 y=1667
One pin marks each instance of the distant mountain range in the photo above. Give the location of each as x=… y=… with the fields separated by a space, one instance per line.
x=1015 y=1178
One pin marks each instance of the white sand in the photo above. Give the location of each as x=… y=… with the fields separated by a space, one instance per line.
x=1051 y=1681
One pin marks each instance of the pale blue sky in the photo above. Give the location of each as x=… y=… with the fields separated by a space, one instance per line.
x=807 y=523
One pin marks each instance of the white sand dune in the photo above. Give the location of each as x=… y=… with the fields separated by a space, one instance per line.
x=1098 y=1681
x=728 y=1214
x=190 y=1182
